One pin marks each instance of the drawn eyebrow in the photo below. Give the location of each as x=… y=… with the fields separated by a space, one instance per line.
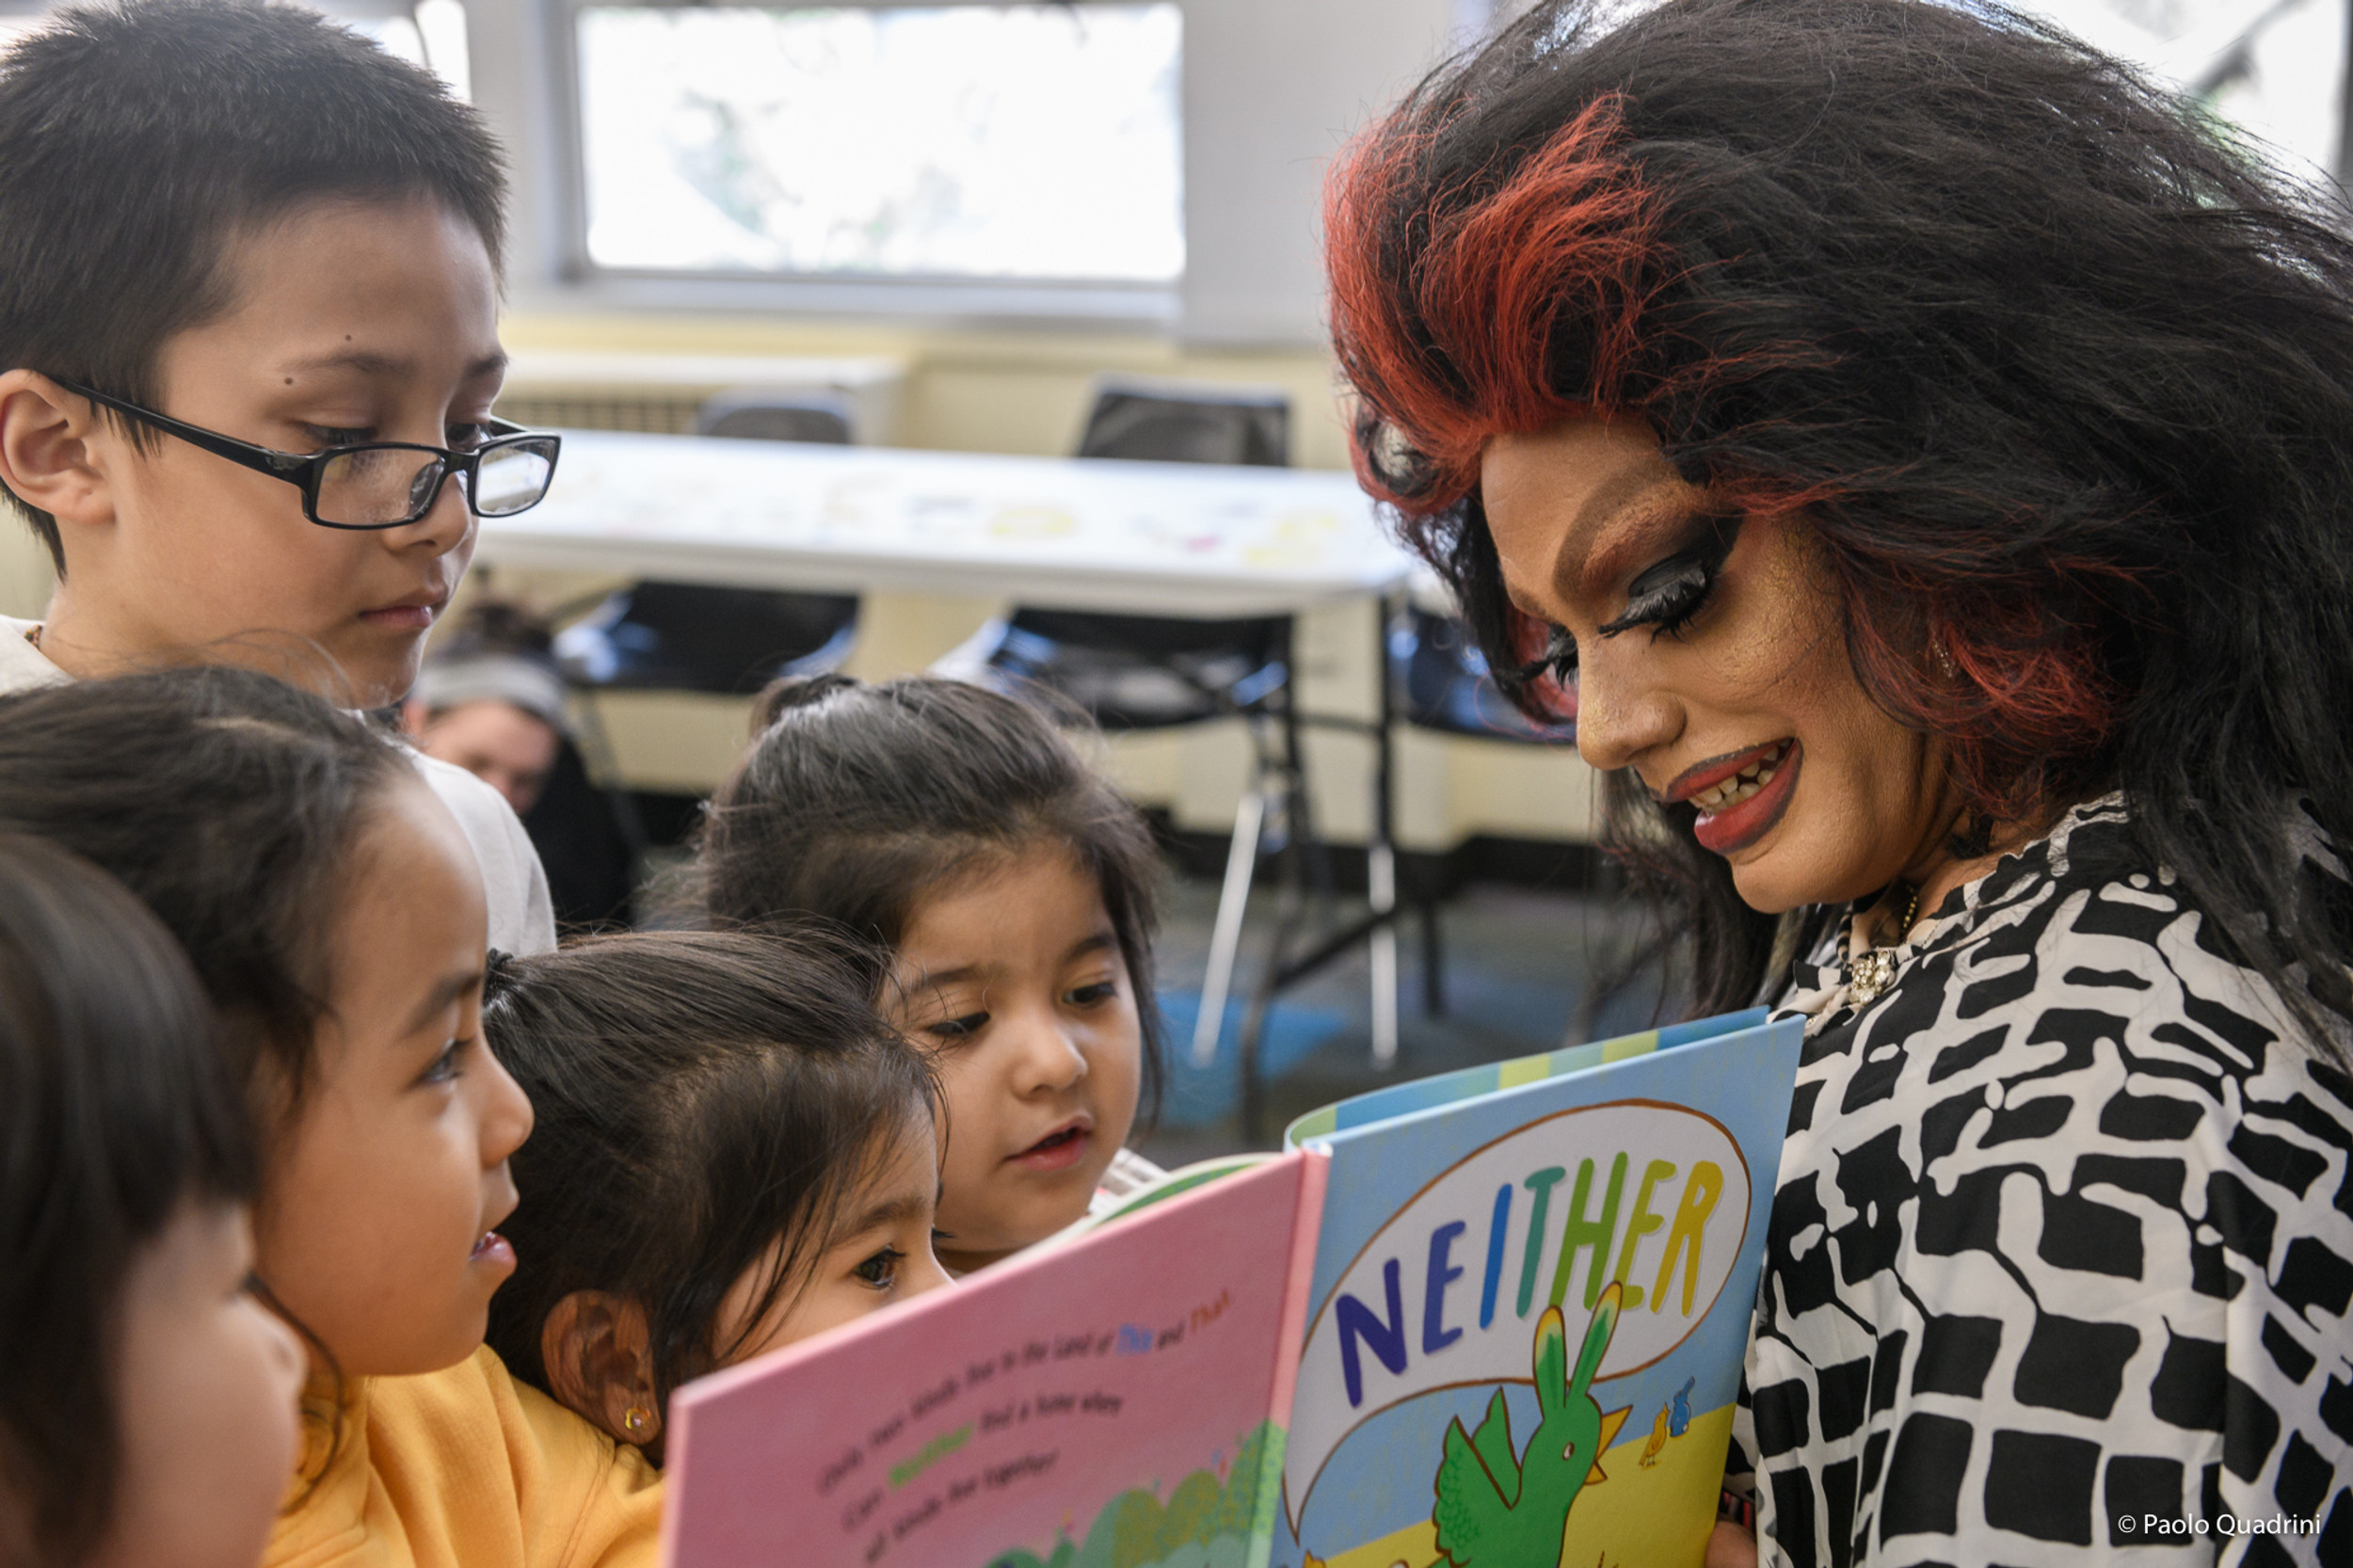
x=1642 y=514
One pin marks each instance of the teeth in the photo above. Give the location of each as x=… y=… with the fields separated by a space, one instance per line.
x=1732 y=791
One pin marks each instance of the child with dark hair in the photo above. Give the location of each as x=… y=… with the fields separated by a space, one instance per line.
x=147 y=1399
x=240 y=248
x=1015 y=890
x=330 y=908
x=734 y=1151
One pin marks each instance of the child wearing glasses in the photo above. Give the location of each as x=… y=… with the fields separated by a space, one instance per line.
x=249 y=346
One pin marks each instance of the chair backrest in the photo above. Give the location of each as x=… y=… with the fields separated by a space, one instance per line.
x=1186 y=423
x=754 y=414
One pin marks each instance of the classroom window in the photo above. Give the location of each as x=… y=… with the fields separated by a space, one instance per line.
x=431 y=33
x=2273 y=68
x=1038 y=142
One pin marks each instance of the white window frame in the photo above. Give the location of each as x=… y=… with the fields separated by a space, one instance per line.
x=1076 y=300
x=1270 y=88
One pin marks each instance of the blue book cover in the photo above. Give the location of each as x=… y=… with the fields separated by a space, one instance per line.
x=1529 y=1304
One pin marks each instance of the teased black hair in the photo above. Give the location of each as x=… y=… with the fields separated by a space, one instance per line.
x=855 y=801
x=137 y=140
x=698 y=1097
x=115 y=1110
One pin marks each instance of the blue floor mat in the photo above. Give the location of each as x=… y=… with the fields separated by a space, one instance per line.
x=1202 y=1095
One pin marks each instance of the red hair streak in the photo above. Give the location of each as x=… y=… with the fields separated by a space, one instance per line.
x=1567 y=242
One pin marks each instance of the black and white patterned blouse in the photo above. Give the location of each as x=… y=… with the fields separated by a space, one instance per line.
x=2063 y=1246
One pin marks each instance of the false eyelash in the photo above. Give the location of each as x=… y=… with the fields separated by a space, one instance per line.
x=1557 y=660
x=1667 y=596
x=1664 y=597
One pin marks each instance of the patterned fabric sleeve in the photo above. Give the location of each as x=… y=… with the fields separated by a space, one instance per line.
x=2061 y=1252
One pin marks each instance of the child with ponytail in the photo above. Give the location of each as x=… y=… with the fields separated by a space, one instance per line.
x=1013 y=888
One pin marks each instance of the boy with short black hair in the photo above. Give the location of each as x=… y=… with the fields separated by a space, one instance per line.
x=234 y=238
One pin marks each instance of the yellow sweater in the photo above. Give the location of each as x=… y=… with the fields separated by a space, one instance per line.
x=468 y=1468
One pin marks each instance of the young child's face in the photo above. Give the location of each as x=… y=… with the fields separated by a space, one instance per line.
x=377 y=1224
x=351 y=320
x=498 y=743
x=880 y=1255
x=1015 y=979
x=205 y=1382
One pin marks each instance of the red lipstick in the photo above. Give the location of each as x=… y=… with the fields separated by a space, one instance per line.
x=1769 y=779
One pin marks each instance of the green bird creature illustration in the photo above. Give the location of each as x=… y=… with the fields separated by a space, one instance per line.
x=1498 y=1508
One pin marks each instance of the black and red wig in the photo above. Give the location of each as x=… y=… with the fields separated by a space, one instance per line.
x=2057 y=372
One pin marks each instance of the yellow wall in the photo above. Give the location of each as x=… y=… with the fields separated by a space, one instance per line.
x=976 y=390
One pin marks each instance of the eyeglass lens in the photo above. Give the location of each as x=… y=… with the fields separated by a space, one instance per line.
x=382 y=485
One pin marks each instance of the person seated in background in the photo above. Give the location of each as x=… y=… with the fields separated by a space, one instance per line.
x=216 y=310
x=490 y=699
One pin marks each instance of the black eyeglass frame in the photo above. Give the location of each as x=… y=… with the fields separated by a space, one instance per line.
x=306 y=471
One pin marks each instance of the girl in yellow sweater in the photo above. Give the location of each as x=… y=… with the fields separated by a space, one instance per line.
x=334 y=912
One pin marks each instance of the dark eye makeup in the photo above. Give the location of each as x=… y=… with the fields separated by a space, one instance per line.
x=1668 y=595
x=1664 y=597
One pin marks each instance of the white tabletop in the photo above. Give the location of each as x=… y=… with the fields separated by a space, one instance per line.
x=1160 y=539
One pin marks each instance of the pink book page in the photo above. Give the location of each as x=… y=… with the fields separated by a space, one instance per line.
x=1078 y=1405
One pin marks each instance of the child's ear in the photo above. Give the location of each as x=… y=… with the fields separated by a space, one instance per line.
x=45 y=449
x=597 y=1350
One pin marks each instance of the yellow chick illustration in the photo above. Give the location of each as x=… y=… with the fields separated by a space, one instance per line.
x=1657 y=1439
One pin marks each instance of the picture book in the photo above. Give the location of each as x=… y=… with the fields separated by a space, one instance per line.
x=1490 y=1320
x=1531 y=1296
x=1106 y=1404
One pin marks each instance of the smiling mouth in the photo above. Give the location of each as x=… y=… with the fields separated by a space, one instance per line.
x=1747 y=783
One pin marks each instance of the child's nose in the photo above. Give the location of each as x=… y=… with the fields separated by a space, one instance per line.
x=284 y=1354
x=506 y=1113
x=443 y=528
x=923 y=1273
x=1051 y=1058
